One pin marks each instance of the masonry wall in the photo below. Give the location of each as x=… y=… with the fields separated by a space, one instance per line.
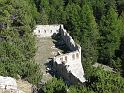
x=68 y=39
x=65 y=74
x=68 y=57
x=64 y=64
x=46 y=30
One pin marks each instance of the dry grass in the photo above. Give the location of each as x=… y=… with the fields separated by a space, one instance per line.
x=24 y=86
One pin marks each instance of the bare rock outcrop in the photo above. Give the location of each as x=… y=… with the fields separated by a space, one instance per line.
x=8 y=85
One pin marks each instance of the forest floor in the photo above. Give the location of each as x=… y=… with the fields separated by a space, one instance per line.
x=45 y=51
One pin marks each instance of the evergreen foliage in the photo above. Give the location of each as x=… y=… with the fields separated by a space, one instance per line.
x=55 y=86
x=111 y=30
x=89 y=34
x=97 y=25
x=17 y=44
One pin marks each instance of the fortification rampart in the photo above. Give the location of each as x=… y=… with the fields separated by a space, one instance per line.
x=46 y=30
x=68 y=57
x=69 y=64
x=68 y=39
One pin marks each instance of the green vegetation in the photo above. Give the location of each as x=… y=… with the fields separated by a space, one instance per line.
x=55 y=85
x=97 y=25
x=17 y=45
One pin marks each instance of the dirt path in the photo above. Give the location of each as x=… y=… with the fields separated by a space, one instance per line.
x=45 y=50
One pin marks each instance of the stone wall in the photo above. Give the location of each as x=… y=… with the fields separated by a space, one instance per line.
x=67 y=65
x=68 y=57
x=68 y=39
x=46 y=30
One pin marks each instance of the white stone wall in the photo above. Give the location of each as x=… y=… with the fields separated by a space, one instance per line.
x=68 y=39
x=72 y=61
x=68 y=57
x=46 y=30
x=69 y=64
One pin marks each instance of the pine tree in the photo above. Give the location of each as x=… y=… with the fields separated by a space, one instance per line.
x=98 y=8
x=111 y=30
x=16 y=40
x=89 y=34
x=73 y=19
x=56 y=13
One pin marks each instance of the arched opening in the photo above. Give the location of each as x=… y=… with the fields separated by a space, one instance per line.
x=61 y=59
x=57 y=30
x=77 y=55
x=39 y=31
x=73 y=56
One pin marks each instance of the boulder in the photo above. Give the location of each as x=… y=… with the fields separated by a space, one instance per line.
x=7 y=83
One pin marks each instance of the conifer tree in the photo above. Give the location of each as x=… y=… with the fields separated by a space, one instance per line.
x=111 y=30
x=17 y=44
x=89 y=34
x=73 y=19
x=98 y=8
x=56 y=13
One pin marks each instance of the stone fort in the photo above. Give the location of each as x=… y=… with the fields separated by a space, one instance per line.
x=68 y=65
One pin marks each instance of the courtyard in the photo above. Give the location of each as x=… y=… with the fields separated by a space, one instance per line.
x=47 y=48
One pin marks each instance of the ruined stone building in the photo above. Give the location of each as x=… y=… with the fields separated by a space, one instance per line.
x=68 y=65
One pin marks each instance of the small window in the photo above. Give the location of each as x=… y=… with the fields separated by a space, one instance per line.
x=61 y=59
x=73 y=57
x=77 y=55
x=51 y=31
x=45 y=31
x=39 y=31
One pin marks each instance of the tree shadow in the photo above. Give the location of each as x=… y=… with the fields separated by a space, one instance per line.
x=121 y=55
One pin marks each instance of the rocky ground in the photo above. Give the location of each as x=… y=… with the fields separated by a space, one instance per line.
x=46 y=50
x=105 y=67
x=25 y=86
x=11 y=85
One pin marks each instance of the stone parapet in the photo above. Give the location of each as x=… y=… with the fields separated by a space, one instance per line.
x=46 y=30
x=69 y=64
